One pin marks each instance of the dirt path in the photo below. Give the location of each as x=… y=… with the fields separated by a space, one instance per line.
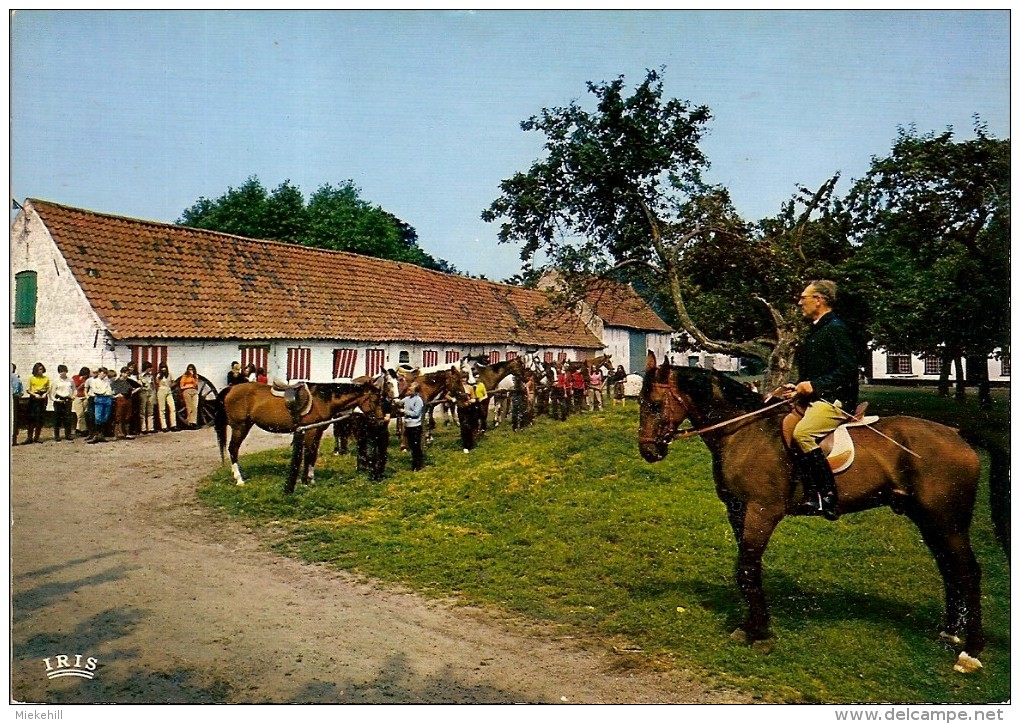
x=113 y=558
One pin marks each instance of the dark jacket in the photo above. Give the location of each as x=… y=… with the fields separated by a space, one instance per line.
x=828 y=359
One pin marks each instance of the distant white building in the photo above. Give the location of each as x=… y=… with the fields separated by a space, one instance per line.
x=889 y=366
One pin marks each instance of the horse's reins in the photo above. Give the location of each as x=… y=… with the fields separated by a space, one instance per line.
x=701 y=431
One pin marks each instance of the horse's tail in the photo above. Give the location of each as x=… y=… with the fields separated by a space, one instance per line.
x=998 y=483
x=220 y=421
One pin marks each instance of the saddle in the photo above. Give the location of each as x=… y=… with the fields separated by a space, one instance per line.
x=297 y=397
x=837 y=445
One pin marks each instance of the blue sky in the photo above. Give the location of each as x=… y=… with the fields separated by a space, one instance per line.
x=141 y=113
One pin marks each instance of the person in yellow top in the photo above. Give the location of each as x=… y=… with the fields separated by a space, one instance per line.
x=38 y=394
x=481 y=399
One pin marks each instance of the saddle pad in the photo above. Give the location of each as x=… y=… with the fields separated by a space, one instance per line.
x=839 y=449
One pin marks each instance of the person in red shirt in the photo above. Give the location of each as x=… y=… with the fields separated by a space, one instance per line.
x=578 y=386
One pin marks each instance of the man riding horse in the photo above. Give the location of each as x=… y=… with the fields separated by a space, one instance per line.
x=827 y=364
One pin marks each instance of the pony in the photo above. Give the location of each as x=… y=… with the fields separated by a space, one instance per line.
x=921 y=469
x=240 y=407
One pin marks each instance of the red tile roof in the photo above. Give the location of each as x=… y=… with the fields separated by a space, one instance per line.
x=620 y=306
x=155 y=280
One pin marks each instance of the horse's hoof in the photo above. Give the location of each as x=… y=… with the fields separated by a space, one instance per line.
x=762 y=646
x=740 y=636
x=967 y=664
x=949 y=638
x=239 y=483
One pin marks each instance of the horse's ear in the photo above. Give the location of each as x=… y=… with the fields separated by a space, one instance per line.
x=650 y=361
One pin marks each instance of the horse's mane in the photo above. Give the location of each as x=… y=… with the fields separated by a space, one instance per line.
x=700 y=386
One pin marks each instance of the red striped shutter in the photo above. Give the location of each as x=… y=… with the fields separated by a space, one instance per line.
x=548 y=357
x=153 y=353
x=343 y=362
x=563 y=356
x=258 y=356
x=452 y=356
x=375 y=359
x=430 y=358
x=299 y=363
x=510 y=356
x=494 y=357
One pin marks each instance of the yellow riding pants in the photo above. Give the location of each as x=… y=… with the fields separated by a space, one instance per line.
x=819 y=419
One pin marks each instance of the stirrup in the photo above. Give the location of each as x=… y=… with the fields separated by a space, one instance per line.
x=815 y=504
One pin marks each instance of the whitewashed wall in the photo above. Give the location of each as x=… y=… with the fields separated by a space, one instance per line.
x=66 y=330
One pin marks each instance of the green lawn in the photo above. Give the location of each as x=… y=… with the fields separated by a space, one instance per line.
x=566 y=524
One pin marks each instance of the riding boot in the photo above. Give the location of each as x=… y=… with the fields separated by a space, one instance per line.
x=820 y=497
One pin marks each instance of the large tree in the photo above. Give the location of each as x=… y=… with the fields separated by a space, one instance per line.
x=336 y=217
x=621 y=189
x=932 y=221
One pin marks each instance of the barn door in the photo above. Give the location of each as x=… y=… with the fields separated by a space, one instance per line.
x=638 y=351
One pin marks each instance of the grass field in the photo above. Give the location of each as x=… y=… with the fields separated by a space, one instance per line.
x=566 y=524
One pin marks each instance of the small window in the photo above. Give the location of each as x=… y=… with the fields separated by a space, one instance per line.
x=898 y=364
x=25 y=294
x=932 y=366
x=405 y=357
x=1005 y=366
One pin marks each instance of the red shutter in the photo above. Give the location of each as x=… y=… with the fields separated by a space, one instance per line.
x=154 y=353
x=452 y=357
x=430 y=358
x=375 y=359
x=299 y=363
x=258 y=356
x=494 y=357
x=343 y=362
x=563 y=356
x=510 y=356
x=548 y=357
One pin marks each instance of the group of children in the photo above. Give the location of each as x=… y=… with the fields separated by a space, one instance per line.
x=100 y=403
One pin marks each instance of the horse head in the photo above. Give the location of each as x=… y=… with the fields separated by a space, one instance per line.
x=663 y=409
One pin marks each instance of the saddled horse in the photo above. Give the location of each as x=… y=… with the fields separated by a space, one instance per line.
x=240 y=407
x=920 y=468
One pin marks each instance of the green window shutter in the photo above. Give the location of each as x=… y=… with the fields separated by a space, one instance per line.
x=25 y=292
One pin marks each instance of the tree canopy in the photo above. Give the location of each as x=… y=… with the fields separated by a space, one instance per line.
x=335 y=217
x=621 y=190
x=919 y=246
x=932 y=223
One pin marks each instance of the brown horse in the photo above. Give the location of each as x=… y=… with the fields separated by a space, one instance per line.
x=491 y=375
x=753 y=478
x=433 y=386
x=242 y=406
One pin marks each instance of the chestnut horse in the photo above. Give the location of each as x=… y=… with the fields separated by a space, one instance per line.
x=242 y=406
x=433 y=386
x=754 y=479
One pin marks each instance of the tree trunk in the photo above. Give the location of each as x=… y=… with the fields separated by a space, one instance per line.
x=780 y=362
x=945 y=363
x=977 y=374
x=961 y=379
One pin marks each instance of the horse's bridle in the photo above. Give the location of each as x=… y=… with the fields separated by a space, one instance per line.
x=673 y=398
